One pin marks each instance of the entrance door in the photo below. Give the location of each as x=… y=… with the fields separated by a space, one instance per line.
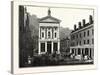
x=49 y=47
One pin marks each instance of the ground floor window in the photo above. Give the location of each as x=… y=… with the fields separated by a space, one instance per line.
x=55 y=47
x=42 y=47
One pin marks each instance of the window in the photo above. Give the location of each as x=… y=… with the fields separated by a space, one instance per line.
x=42 y=28
x=49 y=34
x=80 y=35
x=77 y=35
x=92 y=32
x=88 y=33
x=55 y=28
x=55 y=46
x=84 y=42
x=42 y=47
x=42 y=34
x=80 y=42
x=84 y=34
x=48 y=28
x=88 y=41
x=73 y=36
x=77 y=43
x=92 y=41
x=55 y=35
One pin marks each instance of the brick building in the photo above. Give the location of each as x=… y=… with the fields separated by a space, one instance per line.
x=82 y=38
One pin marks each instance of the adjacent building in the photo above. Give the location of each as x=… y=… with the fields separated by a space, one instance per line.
x=65 y=45
x=49 y=41
x=82 y=38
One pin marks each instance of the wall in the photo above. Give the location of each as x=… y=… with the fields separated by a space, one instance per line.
x=5 y=37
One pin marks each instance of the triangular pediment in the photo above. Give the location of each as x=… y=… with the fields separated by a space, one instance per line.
x=49 y=19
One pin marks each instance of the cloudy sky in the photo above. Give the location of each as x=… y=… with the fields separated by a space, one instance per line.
x=68 y=16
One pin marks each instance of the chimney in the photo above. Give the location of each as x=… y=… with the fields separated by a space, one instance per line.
x=90 y=19
x=84 y=22
x=75 y=27
x=79 y=24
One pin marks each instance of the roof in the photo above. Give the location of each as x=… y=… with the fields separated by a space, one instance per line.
x=49 y=19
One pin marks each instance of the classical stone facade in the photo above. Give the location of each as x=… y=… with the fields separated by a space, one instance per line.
x=49 y=41
x=82 y=39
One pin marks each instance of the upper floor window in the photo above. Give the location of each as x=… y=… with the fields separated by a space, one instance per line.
x=88 y=33
x=77 y=42
x=84 y=42
x=42 y=34
x=84 y=34
x=92 y=41
x=80 y=42
x=55 y=28
x=77 y=35
x=88 y=41
x=80 y=35
x=42 y=28
x=92 y=32
x=55 y=35
x=48 y=28
x=49 y=34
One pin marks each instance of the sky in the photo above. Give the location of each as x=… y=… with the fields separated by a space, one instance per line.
x=68 y=16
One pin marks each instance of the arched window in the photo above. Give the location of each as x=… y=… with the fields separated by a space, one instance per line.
x=55 y=35
x=49 y=34
x=84 y=42
x=42 y=34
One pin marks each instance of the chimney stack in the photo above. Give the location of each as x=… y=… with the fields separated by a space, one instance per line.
x=90 y=19
x=84 y=22
x=75 y=27
x=79 y=24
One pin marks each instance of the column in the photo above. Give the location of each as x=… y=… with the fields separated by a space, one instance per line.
x=39 y=48
x=70 y=50
x=81 y=50
x=84 y=51
x=92 y=53
x=58 y=47
x=89 y=52
x=46 y=46
x=76 y=51
x=39 y=33
x=52 y=46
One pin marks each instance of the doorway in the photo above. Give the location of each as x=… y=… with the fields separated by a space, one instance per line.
x=49 y=47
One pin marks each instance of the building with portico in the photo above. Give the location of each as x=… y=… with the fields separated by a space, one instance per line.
x=49 y=41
